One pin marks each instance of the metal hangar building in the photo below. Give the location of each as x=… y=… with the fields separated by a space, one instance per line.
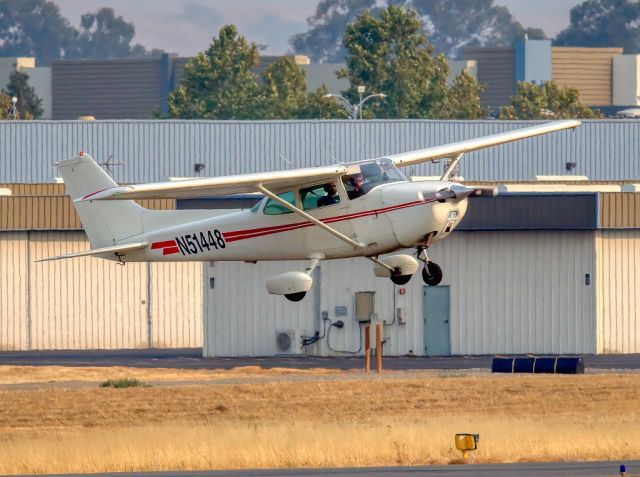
x=526 y=271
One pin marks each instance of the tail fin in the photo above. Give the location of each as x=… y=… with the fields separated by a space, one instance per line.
x=105 y=222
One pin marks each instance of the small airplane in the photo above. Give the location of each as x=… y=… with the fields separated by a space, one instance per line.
x=356 y=209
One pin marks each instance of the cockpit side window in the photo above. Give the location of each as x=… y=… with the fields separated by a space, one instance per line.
x=275 y=208
x=322 y=195
x=369 y=176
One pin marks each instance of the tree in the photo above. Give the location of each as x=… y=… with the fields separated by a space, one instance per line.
x=455 y=24
x=390 y=54
x=323 y=42
x=34 y=28
x=463 y=99
x=603 y=23
x=105 y=35
x=283 y=95
x=284 y=90
x=318 y=106
x=218 y=83
x=29 y=105
x=450 y=24
x=546 y=101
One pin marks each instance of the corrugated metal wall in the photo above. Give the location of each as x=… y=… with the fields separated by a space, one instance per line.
x=511 y=292
x=496 y=73
x=14 y=291
x=155 y=150
x=589 y=70
x=620 y=210
x=618 y=287
x=519 y=292
x=87 y=303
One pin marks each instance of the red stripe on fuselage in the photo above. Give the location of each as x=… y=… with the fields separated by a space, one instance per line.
x=258 y=232
x=167 y=243
x=170 y=250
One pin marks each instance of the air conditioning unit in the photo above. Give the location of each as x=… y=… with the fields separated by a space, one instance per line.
x=288 y=342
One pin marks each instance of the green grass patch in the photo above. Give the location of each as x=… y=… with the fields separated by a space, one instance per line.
x=123 y=383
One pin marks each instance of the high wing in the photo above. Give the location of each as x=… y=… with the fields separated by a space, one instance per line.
x=211 y=186
x=456 y=149
x=281 y=180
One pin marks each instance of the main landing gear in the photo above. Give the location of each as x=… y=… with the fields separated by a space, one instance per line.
x=431 y=272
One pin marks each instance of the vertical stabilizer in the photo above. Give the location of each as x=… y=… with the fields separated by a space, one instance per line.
x=105 y=222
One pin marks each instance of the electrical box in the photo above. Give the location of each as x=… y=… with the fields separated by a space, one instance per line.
x=365 y=306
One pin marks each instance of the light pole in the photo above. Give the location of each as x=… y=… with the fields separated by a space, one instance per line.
x=13 y=112
x=355 y=110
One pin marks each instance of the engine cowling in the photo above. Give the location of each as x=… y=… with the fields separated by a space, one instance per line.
x=405 y=264
x=289 y=283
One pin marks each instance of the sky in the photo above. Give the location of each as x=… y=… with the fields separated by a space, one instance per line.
x=187 y=26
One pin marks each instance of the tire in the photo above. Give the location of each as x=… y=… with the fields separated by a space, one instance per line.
x=295 y=296
x=401 y=279
x=431 y=274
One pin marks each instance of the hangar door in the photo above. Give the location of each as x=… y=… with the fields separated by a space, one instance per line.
x=436 y=313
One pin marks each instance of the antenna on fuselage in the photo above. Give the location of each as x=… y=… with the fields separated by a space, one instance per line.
x=285 y=159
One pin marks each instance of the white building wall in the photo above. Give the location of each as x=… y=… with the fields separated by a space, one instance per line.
x=242 y=317
x=88 y=303
x=626 y=80
x=511 y=292
x=14 y=286
x=519 y=292
x=176 y=304
x=618 y=291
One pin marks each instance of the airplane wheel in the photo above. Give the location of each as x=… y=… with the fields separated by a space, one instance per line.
x=401 y=279
x=431 y=274
x=295 y=296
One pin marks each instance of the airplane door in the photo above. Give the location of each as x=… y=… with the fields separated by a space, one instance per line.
x=317 y=239
x=436 y=315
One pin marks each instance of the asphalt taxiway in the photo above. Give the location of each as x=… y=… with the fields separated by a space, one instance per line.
x=191 y=358
x=536 y=469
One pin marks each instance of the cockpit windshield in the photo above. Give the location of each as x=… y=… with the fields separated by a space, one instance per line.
x=364 y=176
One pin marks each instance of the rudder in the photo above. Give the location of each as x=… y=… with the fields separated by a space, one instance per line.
x=105 y=222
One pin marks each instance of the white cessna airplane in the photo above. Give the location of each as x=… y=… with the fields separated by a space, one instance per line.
x=357 y=209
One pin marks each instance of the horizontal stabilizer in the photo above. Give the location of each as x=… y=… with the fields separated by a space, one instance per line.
x=116 y=249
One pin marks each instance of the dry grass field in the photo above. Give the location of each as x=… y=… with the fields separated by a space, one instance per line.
x=241 y=419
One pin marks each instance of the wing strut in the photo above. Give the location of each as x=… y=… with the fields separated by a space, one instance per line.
x=322 y=225
x=455 y=160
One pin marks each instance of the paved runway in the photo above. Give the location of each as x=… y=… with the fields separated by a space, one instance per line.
x=543 y=469
x=192 y=359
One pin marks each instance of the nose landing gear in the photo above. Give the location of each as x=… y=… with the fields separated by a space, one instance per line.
x=431 y=273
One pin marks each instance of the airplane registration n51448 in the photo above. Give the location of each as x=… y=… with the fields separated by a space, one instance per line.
x=359 y=209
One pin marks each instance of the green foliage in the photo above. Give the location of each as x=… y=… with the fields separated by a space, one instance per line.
x=318 y=106
x=36 y=28
x=323 y=42
x=284 y=95
x=463 y=99
x=455 y=24
x=218 y=83
x=390 y=54
x=105 y=35
x=5 y=105
x=123 y=383
x=602 y=23
x=284 y=90
x=546 y=101
x=29 y=105
x=450 y=24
